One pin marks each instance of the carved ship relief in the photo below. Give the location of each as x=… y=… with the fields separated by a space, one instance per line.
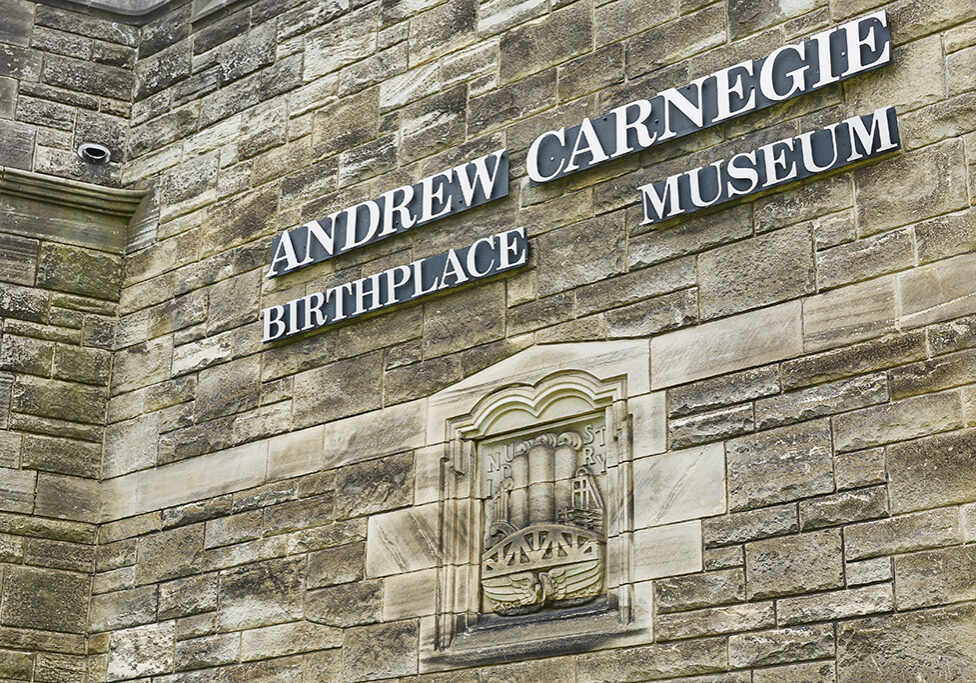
x=544 y=526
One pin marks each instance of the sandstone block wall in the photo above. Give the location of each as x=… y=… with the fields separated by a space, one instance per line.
x=202 y=507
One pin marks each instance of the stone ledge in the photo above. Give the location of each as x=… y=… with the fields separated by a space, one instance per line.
x=67 y=211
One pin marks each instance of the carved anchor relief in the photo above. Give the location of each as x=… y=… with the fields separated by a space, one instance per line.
x=544 y=521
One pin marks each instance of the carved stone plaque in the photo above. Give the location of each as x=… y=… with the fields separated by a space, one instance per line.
x=543 y=495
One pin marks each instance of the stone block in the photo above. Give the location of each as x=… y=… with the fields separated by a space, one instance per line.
x=434 y=123
x=416 y=83
x=723 y=346
x=403 y=541
x=668 y=550
x=676 y=40
x=45 y=599
x=72 y=498
x=651 y=316
x=169 y=554
x=806 y=672
x=933 y=180
x=935 y=577
x=189 y=596
x=695 y=591
x=17 y=24
x=229 y=388
x=841 y=508
x=247 y=52
x=803 y=563
x=240 y=219
x=122 y=609
x=853 y=360
x=558 y=37
x=868 y=571
x=714 y=426
x=559 y=264
x=510 y=102
x=374 y=486
x=722 y=391
x=931 y=472
x=261 y=594
x=338 y=390
x=18 y=490
x=410 y=595
x=945 y=236
x=866 y=258
x=780 y=465
x=897 y=421
x=936 y=292
x=657 y=661
x=332 y=566
x=202 y=353
x=464 y=319
x=16 y=665
x=750 y=525
x=195 y=653
x=18 y=260
x=899 y=647
x=346 y=605
x=380 y=651
x=142 y=651
x=349 y=38
x=295 y=453
x=821 y=400
x=764 y=648
x=86 y=365
x=917 y=531
x=287 y=639
x=78 y=271
x=164 y=68
x=850 y=314
x=756 y=272
x=141 y=365
x=843 y=604
x=679 y=485
x=23 y=303
x=715 y=620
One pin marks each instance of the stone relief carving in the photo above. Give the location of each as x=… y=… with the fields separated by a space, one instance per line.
x=545 y=538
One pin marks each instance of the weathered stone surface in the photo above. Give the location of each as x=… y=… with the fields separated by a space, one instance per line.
x=336 y=565
x=123 y=609
x=756 y=272
x=821 y=400
x=45 y=599
x=403 y=541
x=866 y=258
x=656 y=661
x=511 y=102
x=932 y=471
x=849 y=314
x=806 y=672
x=906 y=533
x=189 y=596
x=337 y=390
x=532 y=47
x=780 y=465
x=374 y=486
x=261 y=594
x=729 y=389
x=840 y=508
x=715 y=620
x=142 y=651
x=380 y=651
x=794 y=564
x=679 y=485
x=841 y=604
x=905 y=419
x=897 y=647
x=169 y=554
x=345 y=605
x=714 y=426
x=935 y=577
x=853 y=360
x=750 y=525
x=287 y=639
x=868 y=571
x=783 y=645
x=699 y=590
x=723 y=346
x=676 y=40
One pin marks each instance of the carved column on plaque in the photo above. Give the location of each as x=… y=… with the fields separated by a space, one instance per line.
x=519 y=497
x=567 y=447
x=542 y=497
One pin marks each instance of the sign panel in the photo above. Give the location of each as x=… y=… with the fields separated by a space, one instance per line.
x=826 y=58
x=484 y=258
x=778 y=163
x=396 y=211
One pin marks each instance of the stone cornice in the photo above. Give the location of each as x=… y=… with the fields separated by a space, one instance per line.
x=37 y=205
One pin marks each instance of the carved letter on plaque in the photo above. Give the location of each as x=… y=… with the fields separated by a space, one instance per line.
x=545 y=537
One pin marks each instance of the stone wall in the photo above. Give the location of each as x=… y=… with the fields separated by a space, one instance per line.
x=801 y=365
